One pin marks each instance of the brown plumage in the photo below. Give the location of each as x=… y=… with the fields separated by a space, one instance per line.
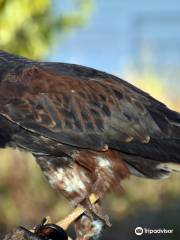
x=87 y=129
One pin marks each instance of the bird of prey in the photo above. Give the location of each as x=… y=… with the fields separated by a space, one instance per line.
x=87 y=129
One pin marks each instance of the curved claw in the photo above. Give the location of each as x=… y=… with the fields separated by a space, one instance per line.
x=94 y=209
x=97 y=211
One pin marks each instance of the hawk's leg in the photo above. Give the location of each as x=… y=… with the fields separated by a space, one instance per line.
x=95 y=209
x=107 y=170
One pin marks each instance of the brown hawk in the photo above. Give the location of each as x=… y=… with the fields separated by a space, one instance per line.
x=87 y=129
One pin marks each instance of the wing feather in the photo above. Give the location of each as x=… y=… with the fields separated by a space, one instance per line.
x=86 y=111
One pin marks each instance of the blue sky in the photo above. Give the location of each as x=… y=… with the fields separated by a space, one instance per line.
x=122 y=33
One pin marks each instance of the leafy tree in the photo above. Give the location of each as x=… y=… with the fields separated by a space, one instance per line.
x=28 y=27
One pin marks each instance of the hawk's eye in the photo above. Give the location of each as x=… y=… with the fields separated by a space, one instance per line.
x=52 y=232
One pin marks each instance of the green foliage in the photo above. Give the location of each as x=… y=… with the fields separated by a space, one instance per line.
x=28 y=27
